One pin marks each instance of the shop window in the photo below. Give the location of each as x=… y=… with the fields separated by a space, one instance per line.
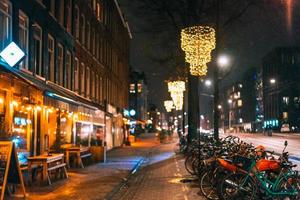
x=66 y=127
x=76 y=23
x=76 y=74
x=37 y=53
x=23 y=37
x=132 y=88
x=52 y=7
x=88 y=35
x=60 y=64
x=51 y=58
x=82 y=29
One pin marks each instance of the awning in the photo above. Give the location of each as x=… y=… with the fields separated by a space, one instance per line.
x=54 y=95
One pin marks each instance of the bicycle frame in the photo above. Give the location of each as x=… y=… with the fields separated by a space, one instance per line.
x=267 y=184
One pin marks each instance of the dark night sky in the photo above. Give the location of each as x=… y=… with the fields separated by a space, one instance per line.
x=246 y=42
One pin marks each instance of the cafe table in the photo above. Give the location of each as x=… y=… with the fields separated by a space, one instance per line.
x=48 y=162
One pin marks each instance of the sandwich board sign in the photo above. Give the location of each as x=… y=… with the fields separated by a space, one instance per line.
x=10 y=172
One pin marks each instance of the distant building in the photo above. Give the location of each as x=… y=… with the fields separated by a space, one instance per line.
x=138 y=95
x=281 y=88
x=239 y=106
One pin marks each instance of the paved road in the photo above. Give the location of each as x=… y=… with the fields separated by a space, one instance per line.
x=276 y=143
x=165 y=180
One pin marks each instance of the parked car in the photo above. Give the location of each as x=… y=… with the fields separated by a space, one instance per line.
x=285 y=128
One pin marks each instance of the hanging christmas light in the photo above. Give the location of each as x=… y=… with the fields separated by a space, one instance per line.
x=176 y=88
x=197 y=42
x=168 y=105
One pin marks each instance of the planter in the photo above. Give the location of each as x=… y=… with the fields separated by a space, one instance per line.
x=97 y=153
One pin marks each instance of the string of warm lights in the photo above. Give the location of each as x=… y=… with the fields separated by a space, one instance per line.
x=197 y=42
x=176 y=89
x=168 y=105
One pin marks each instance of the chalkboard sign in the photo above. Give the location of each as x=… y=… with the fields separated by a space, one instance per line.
x=10 y=172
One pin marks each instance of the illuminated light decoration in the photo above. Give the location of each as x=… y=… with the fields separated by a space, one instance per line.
x=38 y=108
x=197 y=42
x=1 y=100
x=176 y=89
x=14 y=103
x=12 y=54
x=168 y=105
x=28 y=108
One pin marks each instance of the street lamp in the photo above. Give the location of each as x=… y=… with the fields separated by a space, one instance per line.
x=207 y=83
x=272 y=80
x=223 y=61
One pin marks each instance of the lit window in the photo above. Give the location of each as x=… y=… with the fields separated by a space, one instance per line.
x=240 y=103
x=285 y=115
x=132 y=88
x=139 y=88
x=285 y=100
x=23 y=37
x=5 y=23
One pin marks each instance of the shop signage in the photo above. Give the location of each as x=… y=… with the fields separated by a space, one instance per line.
x=10 y=172
x=12 y=54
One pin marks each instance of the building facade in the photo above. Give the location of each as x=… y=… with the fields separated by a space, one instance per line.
x=138 y=95
x=72 y=85
x=281 y=90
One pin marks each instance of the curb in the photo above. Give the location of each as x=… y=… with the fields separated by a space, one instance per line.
x=116 y=189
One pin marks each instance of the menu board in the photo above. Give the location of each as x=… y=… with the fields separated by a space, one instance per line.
x=10 y=172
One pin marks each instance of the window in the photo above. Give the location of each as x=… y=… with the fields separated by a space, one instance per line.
x=76 y=74
x=94 y=5
x=68 y=77
x=98 y=11
x=132 y=88
x=52 y=7
x=68 y=16
x=96 y=88
x=76 y=23
x=60 y=64
x=93 y=42
x=285 y=115
x=101 y=88
x=285 y=100
x=88 y=35
x=51 y=56
x=82 y=80
x=23 y=37
x=5 y=23
x=240 y=103
x=88 y=82
x=139 y=85
x=82 y=29
x=37 y=53
x=92 y=85
x=61 y=12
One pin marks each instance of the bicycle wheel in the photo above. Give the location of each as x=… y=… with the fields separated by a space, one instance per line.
x=289 y=185
x=208 y=186
x=234 y=187
x=188 y=163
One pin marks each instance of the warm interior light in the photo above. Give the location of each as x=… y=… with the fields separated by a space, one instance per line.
x=14 y=103
x=1 y=100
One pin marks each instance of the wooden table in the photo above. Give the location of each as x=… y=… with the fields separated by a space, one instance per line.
x=48 y=162
x=79 y=152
